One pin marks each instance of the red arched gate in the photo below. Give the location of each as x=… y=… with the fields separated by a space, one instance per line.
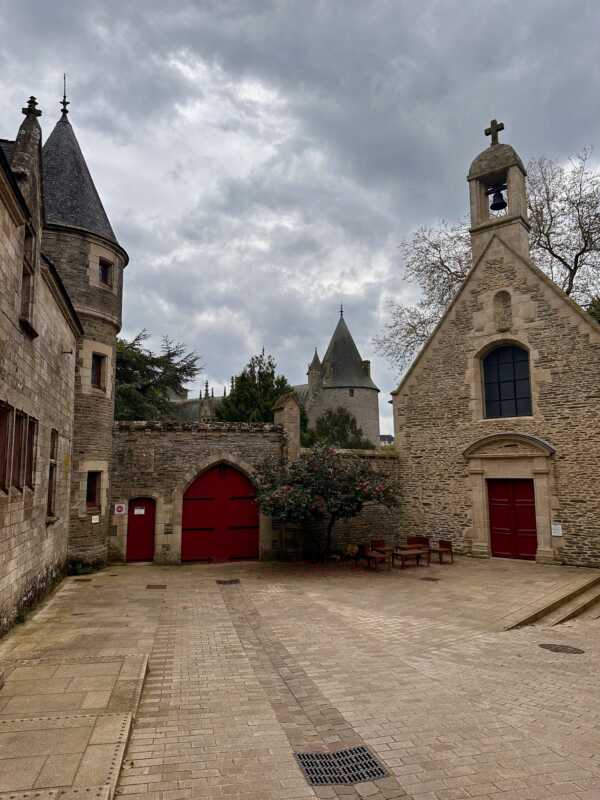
x=220 y=517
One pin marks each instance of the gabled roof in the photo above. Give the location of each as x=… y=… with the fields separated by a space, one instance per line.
x=342 y=366
x=70 y=196
x=531 y=266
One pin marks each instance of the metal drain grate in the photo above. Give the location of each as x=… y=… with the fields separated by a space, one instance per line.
x=354 y=765
x=430 y=579
x=230 y=582
x=156 y=586
x=562 y=648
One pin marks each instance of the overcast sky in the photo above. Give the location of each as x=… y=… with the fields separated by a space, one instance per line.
x=260 y=160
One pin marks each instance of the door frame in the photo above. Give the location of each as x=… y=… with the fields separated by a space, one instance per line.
x=511 y=456
x=132 y=500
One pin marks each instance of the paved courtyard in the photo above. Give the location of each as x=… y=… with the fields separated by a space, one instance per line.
x=291 y=658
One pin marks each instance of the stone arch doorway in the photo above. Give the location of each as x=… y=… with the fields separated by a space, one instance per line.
x=220 y=519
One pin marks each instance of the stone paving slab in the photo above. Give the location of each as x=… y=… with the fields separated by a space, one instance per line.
x=79 y=751
x=68 y=684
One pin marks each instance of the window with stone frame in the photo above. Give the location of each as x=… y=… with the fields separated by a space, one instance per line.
x=507 y=384
x=106 y=272
x=92 y=492
x=6 y=426
x=52 y=473
x=98 y=378
x=30 y=452
x=19 y=451
x=27 y=281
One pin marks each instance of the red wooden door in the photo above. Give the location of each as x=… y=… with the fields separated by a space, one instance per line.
x=220 y=517
x=512 y=518
x=140 y=529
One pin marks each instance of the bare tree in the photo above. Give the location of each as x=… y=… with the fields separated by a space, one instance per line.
x=564 y=212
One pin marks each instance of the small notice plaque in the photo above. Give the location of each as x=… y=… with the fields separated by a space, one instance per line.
x=557 y=529
x=95 y=519
x=139 y=511
x=120 y=509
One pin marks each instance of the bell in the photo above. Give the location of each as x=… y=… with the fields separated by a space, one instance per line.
x=498 y=202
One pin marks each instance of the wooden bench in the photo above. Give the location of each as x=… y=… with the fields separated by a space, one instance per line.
x=414 y=553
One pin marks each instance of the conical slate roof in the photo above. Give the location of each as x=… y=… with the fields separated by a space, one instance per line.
x=70 y=196
x=342 y=365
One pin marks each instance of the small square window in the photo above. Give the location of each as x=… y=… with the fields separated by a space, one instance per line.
x=92 y=492
x=106 y=272
x=98 y=371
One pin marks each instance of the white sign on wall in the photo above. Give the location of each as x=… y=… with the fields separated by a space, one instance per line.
x=95 y=519
x=120 y=509
x=139 y=511
x=557 y=529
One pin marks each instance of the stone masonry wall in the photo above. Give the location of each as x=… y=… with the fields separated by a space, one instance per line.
x=363 y=405
x=36 y=377
x=438 y=411
x=159 y=460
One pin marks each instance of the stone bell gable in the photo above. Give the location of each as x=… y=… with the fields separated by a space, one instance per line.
x=466 y=425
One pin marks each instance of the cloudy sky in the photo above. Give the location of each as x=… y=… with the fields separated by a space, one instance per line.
x=261 y=160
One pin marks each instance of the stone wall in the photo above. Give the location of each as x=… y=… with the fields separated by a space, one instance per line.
x=363 y=404
x=36 y=377
x=159 y=460
x=439 y=414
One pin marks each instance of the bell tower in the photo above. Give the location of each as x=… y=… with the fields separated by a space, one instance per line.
x=498 y=196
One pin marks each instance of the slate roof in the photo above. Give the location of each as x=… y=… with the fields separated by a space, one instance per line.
x=70 y=197
x=342 y=366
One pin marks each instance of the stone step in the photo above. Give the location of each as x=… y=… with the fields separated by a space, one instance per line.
x=574 y=607
x=540 y=610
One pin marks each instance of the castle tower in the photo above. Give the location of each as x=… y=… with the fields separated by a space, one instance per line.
x=80 y=241
x=498 y=196
x=344 y=380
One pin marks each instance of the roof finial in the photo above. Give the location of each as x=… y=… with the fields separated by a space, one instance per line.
x=64 y=102
x=341 y=310
x=30 y=109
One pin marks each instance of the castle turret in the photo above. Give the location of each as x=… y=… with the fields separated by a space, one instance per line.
x=344 y=380
x=79 y=239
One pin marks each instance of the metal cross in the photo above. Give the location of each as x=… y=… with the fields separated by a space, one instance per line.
x=65 y=102
x=494 y=130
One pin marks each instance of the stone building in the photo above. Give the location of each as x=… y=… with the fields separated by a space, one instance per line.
x=79 y=239
x=344 y=380
x=497 y=421
x=39 y=329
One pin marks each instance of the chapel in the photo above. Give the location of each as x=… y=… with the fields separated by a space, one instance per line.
x=497 y=421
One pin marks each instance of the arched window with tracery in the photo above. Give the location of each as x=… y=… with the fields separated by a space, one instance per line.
x=507 y=385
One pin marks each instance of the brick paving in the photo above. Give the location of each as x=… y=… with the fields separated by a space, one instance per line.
x=295 y=658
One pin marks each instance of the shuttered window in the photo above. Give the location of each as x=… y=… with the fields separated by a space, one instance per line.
x=6 y=421
x=52 y=467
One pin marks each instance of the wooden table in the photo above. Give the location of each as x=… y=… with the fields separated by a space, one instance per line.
x=408 y=553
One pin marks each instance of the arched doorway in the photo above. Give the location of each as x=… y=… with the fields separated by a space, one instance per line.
x=140 y=529
x=220 y=517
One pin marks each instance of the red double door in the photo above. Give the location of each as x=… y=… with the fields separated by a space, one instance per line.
x=220 y=517
x=513 y=530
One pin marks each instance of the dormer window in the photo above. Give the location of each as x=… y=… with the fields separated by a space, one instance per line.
x=106 y=272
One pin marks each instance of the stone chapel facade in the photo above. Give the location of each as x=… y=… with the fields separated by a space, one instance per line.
x=497 y=421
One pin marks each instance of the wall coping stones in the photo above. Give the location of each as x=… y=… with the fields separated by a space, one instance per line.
x=197 y=427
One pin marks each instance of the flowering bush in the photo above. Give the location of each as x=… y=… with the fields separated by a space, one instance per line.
x=321 y=485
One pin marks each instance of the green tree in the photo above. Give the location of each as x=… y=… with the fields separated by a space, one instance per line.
x=321 y=486
x=593 y=308
x=337 y=428
x=145 y=381
x=254 y=392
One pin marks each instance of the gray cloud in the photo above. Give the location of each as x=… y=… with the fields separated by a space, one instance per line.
x=261 y=159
